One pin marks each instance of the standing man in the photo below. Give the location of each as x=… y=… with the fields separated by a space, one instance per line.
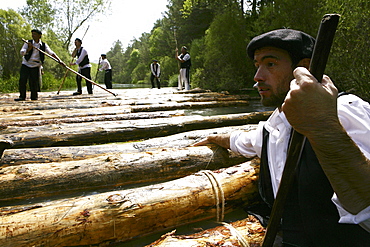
x=84 y=67
x=31 y=62
x=329 y=200
x=185 y=61
x=155 y=68
x=105 y=65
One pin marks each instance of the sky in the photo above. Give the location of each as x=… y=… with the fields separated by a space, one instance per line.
x=128 y=20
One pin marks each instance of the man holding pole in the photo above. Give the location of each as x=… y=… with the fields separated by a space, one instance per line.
x=185 y=64
x=329 y=201
x=32 y=60
x=155 y=69
x=84 y=67
x=105 y=65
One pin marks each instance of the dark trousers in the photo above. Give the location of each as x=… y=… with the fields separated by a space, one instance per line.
x=152 y=78
x=31 y=75
x=85 y=72
x=108 y=79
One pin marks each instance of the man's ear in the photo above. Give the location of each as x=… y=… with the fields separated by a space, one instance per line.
x=305 y=62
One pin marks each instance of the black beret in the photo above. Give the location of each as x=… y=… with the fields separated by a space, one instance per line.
x=184 y=47
x=155 y=60
x=103 y=55
x=297 y=43
x=79 y=40
x=36 y=31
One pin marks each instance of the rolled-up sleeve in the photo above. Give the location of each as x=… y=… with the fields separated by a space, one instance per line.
x=249 y=143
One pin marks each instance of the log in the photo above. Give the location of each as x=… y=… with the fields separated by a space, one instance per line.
x=248 y=230
x=188 y=105
x=123 y=215
x=108 y=171
x=120 y=131
x=59 y=154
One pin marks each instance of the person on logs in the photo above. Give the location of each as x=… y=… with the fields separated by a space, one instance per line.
x=329 y=201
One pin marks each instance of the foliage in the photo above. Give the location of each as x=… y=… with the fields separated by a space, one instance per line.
x=348 y=64
x=12 y=30
x=216 y=33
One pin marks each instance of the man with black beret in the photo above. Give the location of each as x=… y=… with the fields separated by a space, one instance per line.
x=329 y=203
x=32 y=60
x=84 y=67
x=105 y=65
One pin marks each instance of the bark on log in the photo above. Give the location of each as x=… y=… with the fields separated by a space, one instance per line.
x=120 y=131
x=108 y=171
x=59 y=154
x=248 y=230
x=122 y=215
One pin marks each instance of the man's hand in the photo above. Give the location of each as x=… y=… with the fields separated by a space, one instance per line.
x=221 y=140
x=310 y=106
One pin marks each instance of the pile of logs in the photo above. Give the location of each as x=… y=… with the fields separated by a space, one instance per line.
x=98 y=169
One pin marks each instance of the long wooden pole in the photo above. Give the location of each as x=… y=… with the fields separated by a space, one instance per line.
x=68 y=68
x=319 y=59
x=66 y=73
x=178 y=62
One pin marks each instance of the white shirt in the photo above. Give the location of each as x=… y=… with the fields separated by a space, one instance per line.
x=35 y=60
x=81 y=57
x=158 y=69
x=185 y=58
x=105 y=65
x=354 y=115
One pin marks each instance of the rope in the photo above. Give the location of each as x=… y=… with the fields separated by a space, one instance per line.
x=236 y=233
x=218 y=192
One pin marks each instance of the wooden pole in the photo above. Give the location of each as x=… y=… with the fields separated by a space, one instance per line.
x=68 y=68
x=319 y=59
x=178 y=62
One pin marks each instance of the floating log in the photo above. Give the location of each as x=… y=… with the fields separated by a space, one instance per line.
x=188 y=105
x=59 y=154
x=108 y=171
x=248 y=231
x=123 y=215
x=120 y=131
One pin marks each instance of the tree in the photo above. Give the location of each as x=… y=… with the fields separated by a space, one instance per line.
x=225 y=59
x=39 y=13
x=12 y=30
x=348 y=63
x=76 y=13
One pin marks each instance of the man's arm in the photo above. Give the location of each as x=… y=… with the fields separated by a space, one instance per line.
x=311 y=109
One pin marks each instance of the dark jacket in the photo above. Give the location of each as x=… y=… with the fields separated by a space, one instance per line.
x=310 y=218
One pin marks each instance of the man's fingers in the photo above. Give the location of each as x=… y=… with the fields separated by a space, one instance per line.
x=201 y=143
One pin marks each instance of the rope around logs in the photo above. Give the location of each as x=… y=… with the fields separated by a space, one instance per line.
x=218 y=192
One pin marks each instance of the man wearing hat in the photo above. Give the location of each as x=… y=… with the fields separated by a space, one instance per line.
x=84 y=67
x=329 y=203
x=185 y=64
x=32 y=60
x=155 y=69
x=105 y=65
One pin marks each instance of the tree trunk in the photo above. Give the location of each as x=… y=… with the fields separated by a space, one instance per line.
x=122 y=215
x=59 y=154
x=120 y=131
x=108 y=171
x=248 y=230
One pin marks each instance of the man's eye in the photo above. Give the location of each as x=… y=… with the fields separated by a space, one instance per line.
x=270 y=64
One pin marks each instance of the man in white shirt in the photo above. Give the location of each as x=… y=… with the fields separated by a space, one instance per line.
x=105 y=65
x=185 y=64
x=32 y=60
x=84 y=67
x=155 y=69
x=329 y=203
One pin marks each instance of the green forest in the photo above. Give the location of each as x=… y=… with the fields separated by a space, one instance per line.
x=216 y=33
